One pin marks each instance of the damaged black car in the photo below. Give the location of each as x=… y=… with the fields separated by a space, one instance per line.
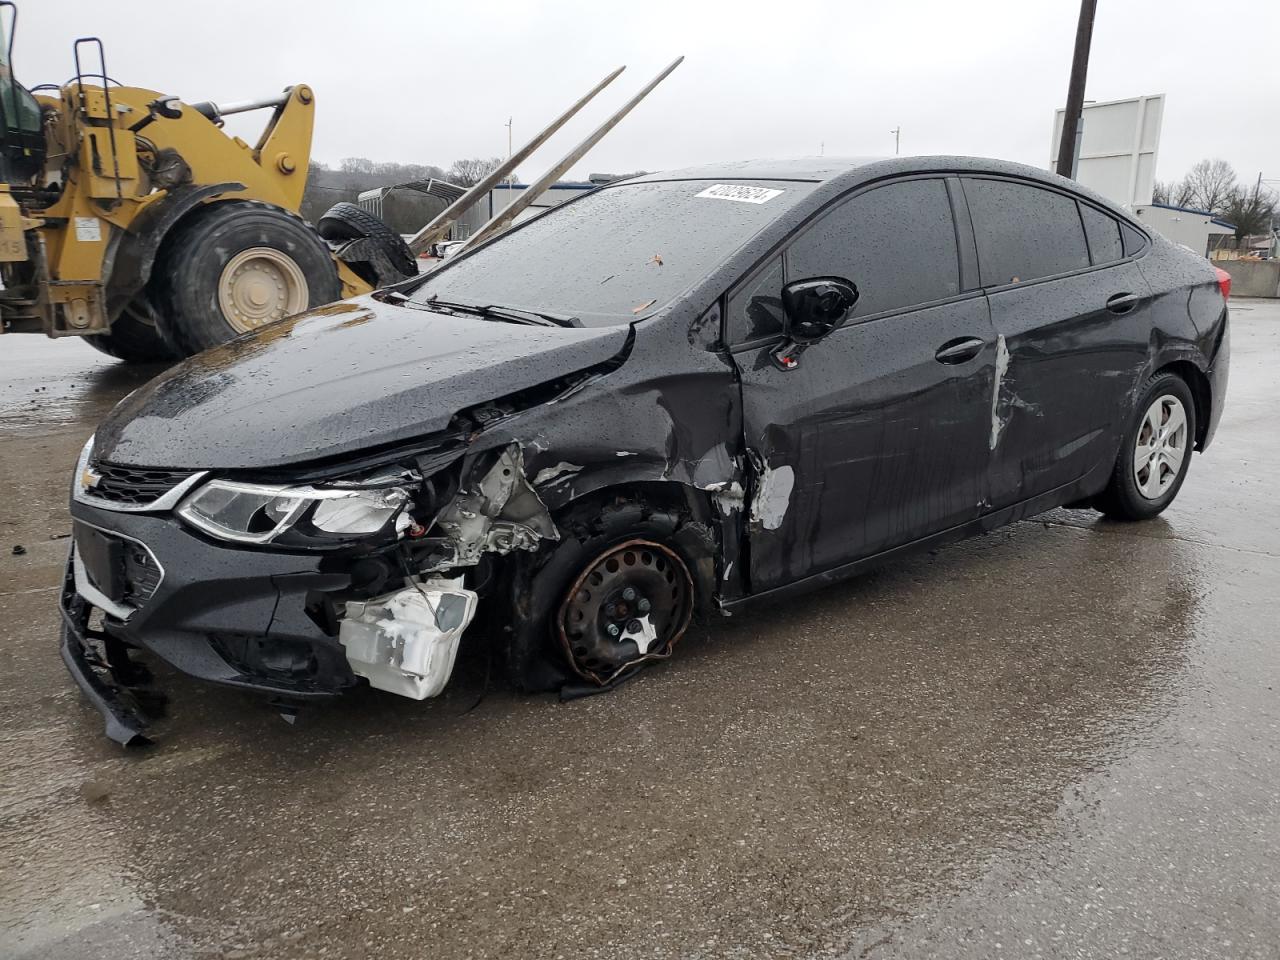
x=679 y=393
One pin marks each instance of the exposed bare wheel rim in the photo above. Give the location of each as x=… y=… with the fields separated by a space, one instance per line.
x=630 y=604
x=1160 y=447
x=259 y=285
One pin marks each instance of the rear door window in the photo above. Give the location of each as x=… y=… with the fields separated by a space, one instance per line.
x=896 y=243
x=1023 y=232
x=1103 y=232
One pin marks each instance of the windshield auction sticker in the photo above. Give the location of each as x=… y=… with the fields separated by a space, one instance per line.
x=739 y=192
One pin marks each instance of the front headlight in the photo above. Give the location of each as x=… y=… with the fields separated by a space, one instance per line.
x=260 y=513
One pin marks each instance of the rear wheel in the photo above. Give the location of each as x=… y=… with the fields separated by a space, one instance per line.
x=133 y=338
x=234 y=267
x=1156 y=451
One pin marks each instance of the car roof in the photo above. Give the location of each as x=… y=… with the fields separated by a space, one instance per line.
x=822 y=169
x=841 y=173
x=815 y=169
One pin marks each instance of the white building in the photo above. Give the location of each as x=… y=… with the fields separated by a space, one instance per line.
x=1191 y=228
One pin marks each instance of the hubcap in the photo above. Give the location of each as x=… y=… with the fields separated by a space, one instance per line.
x=630 y=604
x=1161 y=447
x=260 y=285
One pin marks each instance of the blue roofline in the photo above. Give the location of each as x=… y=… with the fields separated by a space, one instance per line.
x=1199 y=213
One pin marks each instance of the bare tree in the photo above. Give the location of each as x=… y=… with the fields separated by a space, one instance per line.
x=467 y=173
x=359 y=165
x=1174 y=193
x=1210 y=185
x=1251 y=210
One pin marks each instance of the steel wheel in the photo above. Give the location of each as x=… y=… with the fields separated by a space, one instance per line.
x=259 y=285
x=628 y=605
x=1160 y=447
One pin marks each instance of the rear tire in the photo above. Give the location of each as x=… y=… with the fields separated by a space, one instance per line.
x=235 y=266
x=1155 y=453
x=133 y=339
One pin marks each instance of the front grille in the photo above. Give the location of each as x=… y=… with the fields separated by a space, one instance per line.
x=134 y=486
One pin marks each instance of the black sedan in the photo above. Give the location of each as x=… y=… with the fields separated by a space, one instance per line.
x=684 y=392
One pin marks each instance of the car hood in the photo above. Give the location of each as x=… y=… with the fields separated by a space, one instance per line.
x=334 y=381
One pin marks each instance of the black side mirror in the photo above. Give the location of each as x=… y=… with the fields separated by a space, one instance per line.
x=812 y=309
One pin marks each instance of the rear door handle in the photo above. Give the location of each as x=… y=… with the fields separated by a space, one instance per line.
x=1122 y=302
x=959 y=350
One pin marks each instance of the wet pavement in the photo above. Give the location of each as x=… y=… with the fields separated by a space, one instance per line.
x=1059 y=740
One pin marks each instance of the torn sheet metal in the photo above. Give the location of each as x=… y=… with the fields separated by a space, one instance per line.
x=773 y=496
x=1002 y=366
x=555 y=474
x=499 y=514
x=727 y=495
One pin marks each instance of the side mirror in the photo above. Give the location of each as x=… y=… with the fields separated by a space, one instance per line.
x=812 y=309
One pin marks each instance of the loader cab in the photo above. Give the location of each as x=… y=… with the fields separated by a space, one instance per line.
x=22 y=146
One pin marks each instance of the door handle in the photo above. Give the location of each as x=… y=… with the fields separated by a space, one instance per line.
x=1122 y=302
x=959 y=350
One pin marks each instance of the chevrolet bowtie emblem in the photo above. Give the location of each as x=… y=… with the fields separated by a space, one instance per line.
x=89 y=478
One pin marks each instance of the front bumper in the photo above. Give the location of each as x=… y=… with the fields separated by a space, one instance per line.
x=242 y=618
x=104 y=687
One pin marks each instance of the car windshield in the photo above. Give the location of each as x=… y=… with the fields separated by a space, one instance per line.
x=618 y=254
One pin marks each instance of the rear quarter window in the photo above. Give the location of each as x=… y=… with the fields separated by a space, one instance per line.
x=1133 y=240
x=1024 y=232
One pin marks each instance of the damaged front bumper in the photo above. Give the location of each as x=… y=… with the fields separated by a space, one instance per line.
x=244 y=619
x=104 y=687
x=295 y=625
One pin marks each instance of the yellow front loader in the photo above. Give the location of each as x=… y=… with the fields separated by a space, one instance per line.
x=130 y=218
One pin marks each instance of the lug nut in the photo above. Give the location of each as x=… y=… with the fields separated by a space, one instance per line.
x=634 y=626
x=610 y=610
x=643 y=605
x=612 y=630
x=629 y=593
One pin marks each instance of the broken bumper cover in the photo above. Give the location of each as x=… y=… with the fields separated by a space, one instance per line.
x=223 y=614
x=125 y=722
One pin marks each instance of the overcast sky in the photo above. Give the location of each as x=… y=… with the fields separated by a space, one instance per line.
x=429 y=82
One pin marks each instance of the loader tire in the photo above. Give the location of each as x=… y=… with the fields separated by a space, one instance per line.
x=346 y=221
x=233 y=267
x=133 y=339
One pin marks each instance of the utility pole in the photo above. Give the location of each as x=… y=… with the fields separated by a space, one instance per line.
x=1068 y=145
x=512 y=177
x=897 y=139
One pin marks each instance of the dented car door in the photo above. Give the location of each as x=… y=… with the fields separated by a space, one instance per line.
x=1071 y=311
x=878 y=436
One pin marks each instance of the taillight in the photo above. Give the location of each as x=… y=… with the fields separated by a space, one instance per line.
x=1224 y=282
